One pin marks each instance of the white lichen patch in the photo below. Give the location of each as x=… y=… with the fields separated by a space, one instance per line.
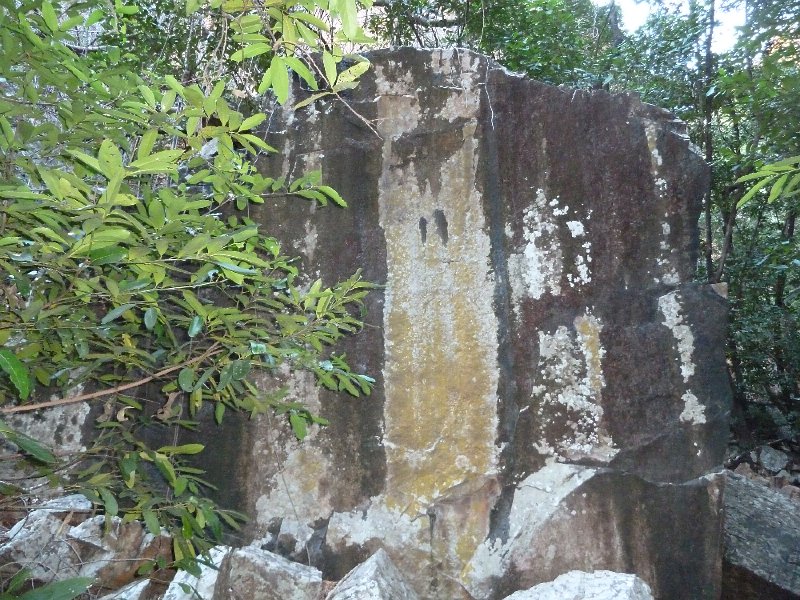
x=576 y=228
x=583 y=274
x=536 y=500
x=537 y=270
x=670 y=307
x=570 y=392
x=693 y=411
x=540 y=266
x=651 y=130
x=394 y=528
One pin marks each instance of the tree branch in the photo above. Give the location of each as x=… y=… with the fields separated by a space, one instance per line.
x=214 y=349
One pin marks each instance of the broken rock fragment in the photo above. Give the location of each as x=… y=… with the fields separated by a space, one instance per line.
x=579 y=585
x=375 y=579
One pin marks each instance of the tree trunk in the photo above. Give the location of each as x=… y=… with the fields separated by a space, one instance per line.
x=708 y=142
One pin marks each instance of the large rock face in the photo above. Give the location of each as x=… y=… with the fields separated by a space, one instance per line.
x=551 y=391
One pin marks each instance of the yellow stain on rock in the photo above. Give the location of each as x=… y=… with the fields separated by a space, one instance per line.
x=440 y=328
x=589 y=328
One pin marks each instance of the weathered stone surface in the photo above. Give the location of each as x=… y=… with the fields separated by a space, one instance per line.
x=538 y=329
x=136 y=590
x=198 y=587
x=579 y=585
x=762 y=543
x=68 y=428
x=375 y=579
x=254 y=573
x=51 y=548
x=772 y=460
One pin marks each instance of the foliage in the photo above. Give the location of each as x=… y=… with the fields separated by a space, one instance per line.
x=66 y=589
x=558 y=41
x=131 y=272
x=782 y=178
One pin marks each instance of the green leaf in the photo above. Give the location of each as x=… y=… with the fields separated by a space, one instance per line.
x=95 y=17
x=186 y=379
x=349 y=15
x=299 y=67
x=333 y=195
x=86 y=159
x=110 y=159
x=165 y=466
x=146 y=143
x=28 y=445
x=150 y=318
x=266 y=82
x=311 y=99
x=108 y=255
x=226 y=376
x=239 y=369
x=109 y=502
x=258 y=348
x=280 y=79
x=251 y=51
x=184 y=449
x=116 y=313
x=18 y=580
x=151 y=521
x=299 y=425
x=148 y=96
x=311 y=20
x=252 y=121
x=752 y=192
x=160 y=162
x=329 y=65
x=354 y=72
x=16 y=372
x=195 y=327
x=777 y=187
x=49 y=16
x=68 y=589
x=174 y=84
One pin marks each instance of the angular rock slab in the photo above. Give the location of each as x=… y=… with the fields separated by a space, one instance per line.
x=579 y=585
x=250 y=572
x=537 y=247
x=375 y=579
x=185 y=586
x=762 y=543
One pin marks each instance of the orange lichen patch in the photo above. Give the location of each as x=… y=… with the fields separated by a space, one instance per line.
x=589 y=329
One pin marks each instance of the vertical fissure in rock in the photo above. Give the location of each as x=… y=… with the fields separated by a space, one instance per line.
x=441 y=224
x=508 y=410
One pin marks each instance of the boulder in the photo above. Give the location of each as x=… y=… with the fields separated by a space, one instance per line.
x=538 y=337
x=251 y=572
x=579 y=585
x=375 y=579
x=771 y=460
x=761 y=541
